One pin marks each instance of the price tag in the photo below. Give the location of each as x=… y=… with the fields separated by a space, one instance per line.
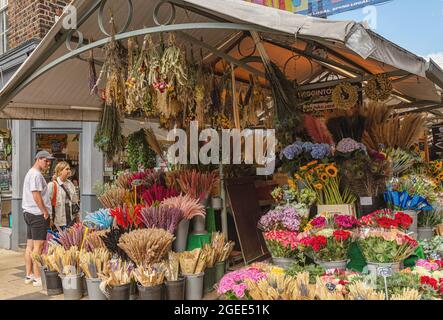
x=330 y=286
x=137 y=182
x=366 y=201
x=384 y=271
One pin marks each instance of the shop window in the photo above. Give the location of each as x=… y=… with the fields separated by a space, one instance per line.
x=3 y=26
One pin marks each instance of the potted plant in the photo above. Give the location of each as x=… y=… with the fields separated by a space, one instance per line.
x=385 y=248
x=328 y=247
x=280 y=227
x=427 y=221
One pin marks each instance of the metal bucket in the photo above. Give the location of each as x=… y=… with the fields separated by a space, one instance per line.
x=373 y=267
x=94 y=292
x=120 y=292
x=150 y=293
x=43 y=277
x=334 y=265
x=194 y=286
x=425 y=233
x=220 y=270
x=284 y=263
x=53 y=283
x=209 y=280
x=175 y=290
x=72 y=286
x=199 y=225
x=413 y=229
x=181 y=238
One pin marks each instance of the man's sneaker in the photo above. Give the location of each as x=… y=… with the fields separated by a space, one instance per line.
x=37 y=282
x=29 y=279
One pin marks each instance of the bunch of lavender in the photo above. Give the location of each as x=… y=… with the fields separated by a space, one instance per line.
x=100 y=219
x=162 y=217
x=281 y=218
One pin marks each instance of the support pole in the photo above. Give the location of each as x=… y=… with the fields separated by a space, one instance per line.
x=224 y=212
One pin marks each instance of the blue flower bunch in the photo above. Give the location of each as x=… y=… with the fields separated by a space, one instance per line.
x=100 y=219
x=307 y=149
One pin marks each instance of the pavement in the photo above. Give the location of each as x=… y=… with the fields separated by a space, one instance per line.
x=12 y=280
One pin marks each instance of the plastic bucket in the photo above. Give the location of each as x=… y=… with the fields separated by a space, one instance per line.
x=425 y=233
x=175 y=290
x=72 y=286
x=209 y=279
x=220 y=270
x=181 y=238
x=284 y=263
x=413 y=229
x=43 y=277
x=120 y=292
x=93 y=287
x=374 y=267
x=53 y=283
x=194 y=286
x=150 y=293
x=334 y=265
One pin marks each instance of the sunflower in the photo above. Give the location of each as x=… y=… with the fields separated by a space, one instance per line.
x=331 y=170
x=312 y=163
x=324 y=177
x=304 y=168
x=309 y=177
x=439 y=165
x=292 y=184
x=297 y=176
x=318 y=186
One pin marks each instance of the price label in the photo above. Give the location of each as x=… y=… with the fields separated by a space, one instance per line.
x=137 y=182
x=330 y=286
x=366 y=201
x=384 y=271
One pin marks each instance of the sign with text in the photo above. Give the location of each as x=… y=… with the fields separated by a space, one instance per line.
x=437 y=134
x=317 y=8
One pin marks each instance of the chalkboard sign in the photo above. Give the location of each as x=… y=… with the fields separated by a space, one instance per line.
x=437 y=134
x=245 y=208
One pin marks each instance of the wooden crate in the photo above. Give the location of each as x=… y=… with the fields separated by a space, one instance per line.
x=345 y=209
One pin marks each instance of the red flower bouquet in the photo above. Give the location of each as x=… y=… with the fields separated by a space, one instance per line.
x=386 y=219
x=327 y=245
x=281 y=244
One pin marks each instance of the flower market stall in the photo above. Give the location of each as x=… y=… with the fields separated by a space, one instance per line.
x=352 y=208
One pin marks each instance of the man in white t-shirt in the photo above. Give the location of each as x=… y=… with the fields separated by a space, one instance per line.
x=36 y=208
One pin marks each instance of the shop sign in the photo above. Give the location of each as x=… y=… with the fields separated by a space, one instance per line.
x=317 y=8
x=317 y=100
x=437 y=134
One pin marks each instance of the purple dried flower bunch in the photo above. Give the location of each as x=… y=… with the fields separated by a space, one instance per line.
x=163 y=217
x=72 y=236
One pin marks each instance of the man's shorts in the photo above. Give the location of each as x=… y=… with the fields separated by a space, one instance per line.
x=37 y=226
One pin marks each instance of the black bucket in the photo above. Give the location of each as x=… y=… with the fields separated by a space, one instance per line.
x=120 y=292
x=150 y=293
x=175 y=290
x=53 y=283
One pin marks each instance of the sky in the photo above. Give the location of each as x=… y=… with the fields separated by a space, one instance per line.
x=416 y=25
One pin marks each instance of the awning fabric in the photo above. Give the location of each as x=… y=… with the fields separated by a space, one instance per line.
x=348 y=44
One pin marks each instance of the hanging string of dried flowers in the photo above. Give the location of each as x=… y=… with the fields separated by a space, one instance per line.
x=93 y=89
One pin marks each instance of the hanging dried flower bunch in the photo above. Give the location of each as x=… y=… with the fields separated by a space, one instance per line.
x=138 y=89
x=146 y=246
x=345 y=96
x=379 y=88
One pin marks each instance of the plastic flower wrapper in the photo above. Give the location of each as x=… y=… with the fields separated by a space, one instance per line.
x=385 y=246
x=281 y=218
x=281 y=244
x=233 y=285
x=335 y=221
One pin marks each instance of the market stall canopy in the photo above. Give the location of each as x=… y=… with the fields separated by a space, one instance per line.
x=53 y=82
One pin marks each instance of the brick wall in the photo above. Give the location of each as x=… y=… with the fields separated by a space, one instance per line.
x=31 y=19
